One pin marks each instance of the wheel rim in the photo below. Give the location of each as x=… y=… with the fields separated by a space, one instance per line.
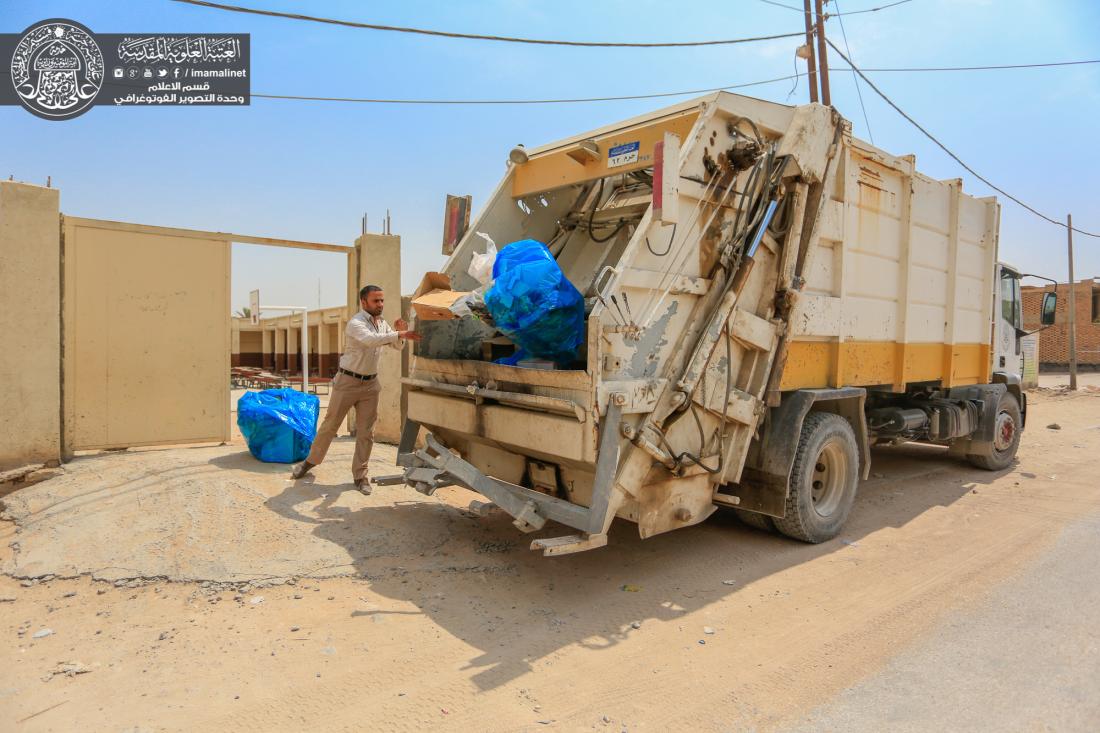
x=829 y=478
x=1005 y=432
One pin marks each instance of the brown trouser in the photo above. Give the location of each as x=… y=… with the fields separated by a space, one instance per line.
x=349 y=392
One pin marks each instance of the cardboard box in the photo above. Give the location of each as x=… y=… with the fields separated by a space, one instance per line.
x=433 y=298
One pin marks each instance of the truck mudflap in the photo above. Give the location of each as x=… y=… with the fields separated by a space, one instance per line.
x=435 y=466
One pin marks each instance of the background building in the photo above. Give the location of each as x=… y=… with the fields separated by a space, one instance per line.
x=275 y=343
x=1054 y=341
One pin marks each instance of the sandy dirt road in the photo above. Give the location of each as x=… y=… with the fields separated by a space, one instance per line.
x=209 y=593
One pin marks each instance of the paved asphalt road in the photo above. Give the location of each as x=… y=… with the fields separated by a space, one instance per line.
x=1027 y=659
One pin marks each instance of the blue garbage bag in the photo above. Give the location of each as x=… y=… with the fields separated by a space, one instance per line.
x=278 y=424
x=533 y=303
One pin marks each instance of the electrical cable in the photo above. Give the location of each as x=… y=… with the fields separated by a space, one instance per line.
x=523 y=101
x=580 y=100
x=869 y=10
x=859 y=92
x=985 y=68
x=954 y=157
x=477 y=36
x=833 y=15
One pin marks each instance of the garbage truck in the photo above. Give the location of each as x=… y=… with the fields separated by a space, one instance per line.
x=766 y=298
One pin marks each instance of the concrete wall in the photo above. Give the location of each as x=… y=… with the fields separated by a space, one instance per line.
x=30 y=319
x=380 y=264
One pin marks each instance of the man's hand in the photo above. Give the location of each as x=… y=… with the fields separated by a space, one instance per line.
x=400 y=325
x=409 y=335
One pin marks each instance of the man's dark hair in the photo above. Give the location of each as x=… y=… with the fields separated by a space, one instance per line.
x=368 y=289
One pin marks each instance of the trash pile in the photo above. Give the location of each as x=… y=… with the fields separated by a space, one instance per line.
x=534 y=305
x=524 y=295
x=278 y=424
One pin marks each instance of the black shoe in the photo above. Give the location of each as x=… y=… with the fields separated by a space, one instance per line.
x=362 y=485
x=301 y=470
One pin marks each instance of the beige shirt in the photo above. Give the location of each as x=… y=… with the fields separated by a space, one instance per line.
x=365 y=339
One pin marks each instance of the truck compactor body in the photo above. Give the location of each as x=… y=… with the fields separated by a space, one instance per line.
x=766 y=298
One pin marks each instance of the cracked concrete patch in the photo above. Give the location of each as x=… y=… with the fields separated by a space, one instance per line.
x=214 y=514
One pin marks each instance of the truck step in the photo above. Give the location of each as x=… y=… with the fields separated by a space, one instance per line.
x=568 y=544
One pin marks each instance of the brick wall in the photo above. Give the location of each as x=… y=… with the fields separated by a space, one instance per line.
x=1054 y=341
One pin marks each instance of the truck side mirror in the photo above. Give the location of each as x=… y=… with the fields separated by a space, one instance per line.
x=1050 y=305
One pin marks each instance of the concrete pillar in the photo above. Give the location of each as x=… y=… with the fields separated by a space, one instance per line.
x=380 y=264
x=315 y=328
x=322 y=349
x=335 y=343
x=30 y=319
x=280 y=348
x=268 y=359
x=293 y=345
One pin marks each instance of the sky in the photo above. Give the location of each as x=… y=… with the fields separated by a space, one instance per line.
x=311 y=170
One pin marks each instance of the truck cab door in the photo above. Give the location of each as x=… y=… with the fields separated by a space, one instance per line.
x=1008 y=322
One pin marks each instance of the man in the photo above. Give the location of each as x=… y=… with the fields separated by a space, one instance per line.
x=356 y=384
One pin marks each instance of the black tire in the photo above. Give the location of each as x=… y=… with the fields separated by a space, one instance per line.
x=992 y=457
x=755 y=520
x=824 y=478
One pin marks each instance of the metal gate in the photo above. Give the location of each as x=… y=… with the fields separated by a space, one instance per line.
x=146 y=335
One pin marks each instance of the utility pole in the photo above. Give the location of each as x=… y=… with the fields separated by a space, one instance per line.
x=811 y=66
x=1072 y=308
x=822 y=57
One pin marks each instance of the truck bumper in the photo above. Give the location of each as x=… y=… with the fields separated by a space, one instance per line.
x=434 y=466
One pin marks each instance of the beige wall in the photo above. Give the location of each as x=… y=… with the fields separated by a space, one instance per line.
x=380 y=264
x=30 y=359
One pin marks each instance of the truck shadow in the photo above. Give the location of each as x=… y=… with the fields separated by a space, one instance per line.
x=475 y=578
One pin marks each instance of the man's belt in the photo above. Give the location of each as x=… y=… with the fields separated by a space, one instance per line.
x=363 y=377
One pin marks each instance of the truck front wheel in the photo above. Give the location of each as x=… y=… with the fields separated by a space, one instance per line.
x=1001 y=451
x=823 y=479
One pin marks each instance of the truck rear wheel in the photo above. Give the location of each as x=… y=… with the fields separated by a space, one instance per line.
x=1001 y=451
x=823 y=479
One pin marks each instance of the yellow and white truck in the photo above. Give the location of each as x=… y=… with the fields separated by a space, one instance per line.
x=768 y=297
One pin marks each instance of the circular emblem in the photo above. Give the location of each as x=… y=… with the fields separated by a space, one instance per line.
x=57 y=69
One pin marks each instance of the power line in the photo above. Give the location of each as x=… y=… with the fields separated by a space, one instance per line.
x=870 y=10
x=836 y=14
x=855 y=78
x=783 y=5
x=945 y=149
x=655 y=95
x=477 y=36
x=579 y=100
x=362 y=100
x=987 y=68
